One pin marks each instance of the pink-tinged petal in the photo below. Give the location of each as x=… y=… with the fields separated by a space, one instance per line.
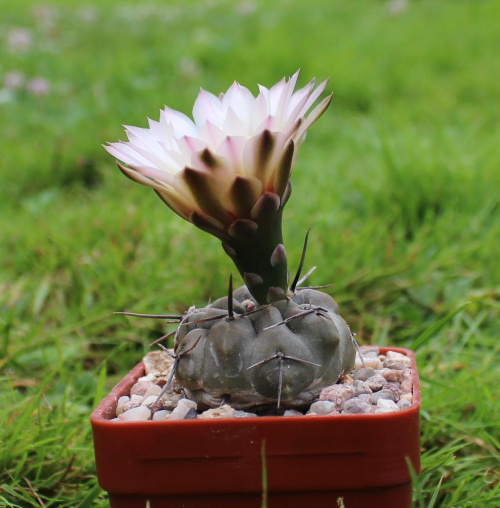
x=188 y=145
x=268 y=123
x=275 y=94
x=234 y=126
x=207 y=162
x=314 y=96
x=158 y=130
x=298 y=102
x=313 y=116
x=284 y=99
x=138 y=178
x=211 y=134
x=207 y=107
x=260 y=111
x=292 y=128
x=126 y=153
x=156 y=158
x=182 y=124
x=160 y=176
x=232 y=149
x=240 y=100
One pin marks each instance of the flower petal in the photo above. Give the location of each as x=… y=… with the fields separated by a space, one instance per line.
x=205 y=190
x=242 y=196
x=313 y=116
x=208 y=107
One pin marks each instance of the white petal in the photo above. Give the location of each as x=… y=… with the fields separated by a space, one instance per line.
x=234 y=125
x=208 y=107
x=125 y=153
x=240 y=100
x=182 y=124
x=232 y=149
x=313 y=116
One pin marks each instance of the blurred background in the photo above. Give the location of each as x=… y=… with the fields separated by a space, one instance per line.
x=399 y=181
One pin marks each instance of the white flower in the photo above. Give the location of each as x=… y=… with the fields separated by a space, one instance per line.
x=238 y=148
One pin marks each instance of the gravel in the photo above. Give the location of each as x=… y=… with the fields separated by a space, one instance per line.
x=382 y=385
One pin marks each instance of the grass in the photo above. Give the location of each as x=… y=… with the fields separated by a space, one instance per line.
x=399 y=181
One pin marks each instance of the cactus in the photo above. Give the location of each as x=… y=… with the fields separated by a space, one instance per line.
x=270 y=342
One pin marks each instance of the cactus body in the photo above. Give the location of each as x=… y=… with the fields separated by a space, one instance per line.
x=281 y=354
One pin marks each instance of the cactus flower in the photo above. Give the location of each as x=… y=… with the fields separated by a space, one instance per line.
x=228 y=171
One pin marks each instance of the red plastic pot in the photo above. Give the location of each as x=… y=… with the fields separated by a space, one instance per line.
x=218 y=463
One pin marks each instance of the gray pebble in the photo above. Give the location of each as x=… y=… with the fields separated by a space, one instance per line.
x=393 y=364
x=404 y=404
x=192 y=414
x=361 y=387
x=292 y=412
x=357 y=406
x=365 y=397
x=364 y=374
x=386 y=406
x=322 y=407
x=243 y=414
x=182 y=408
x=383 y=394
x=376 y=382
x=160 y=415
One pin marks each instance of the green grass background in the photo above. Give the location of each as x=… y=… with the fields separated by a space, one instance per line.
x=399 y=181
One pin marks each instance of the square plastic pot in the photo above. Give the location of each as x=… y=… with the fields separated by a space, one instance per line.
x=219 y=463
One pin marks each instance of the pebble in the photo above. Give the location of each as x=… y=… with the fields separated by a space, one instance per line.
x=398 y=357
x=140 y=388
x=323 y=407
x=337 y=394
x=365 y=397
x=406 y=383
x=292 y=412
x=131 y=404
x=403 y=404
x=376 y=382
x=182 y=408
x=136 y=414
x=357 y=406
x=243 y=414
x=192 y=414
x=158 y=364
x=119 y=405
x=361 y=387
x=373 y=363
x=153 y=390
x=224 y=411
x=408 y=397
x=161 y=415
x=386 y=406
x=364 y=373
x=371 y=349
x=392 y=375
x=149 y=401
x=394 y=389
x=384 y=394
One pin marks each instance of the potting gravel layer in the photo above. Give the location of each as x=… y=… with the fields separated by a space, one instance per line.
x=382 y=385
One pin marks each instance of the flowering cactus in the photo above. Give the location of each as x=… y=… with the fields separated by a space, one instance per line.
x=228 y=174
x=228 y=171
